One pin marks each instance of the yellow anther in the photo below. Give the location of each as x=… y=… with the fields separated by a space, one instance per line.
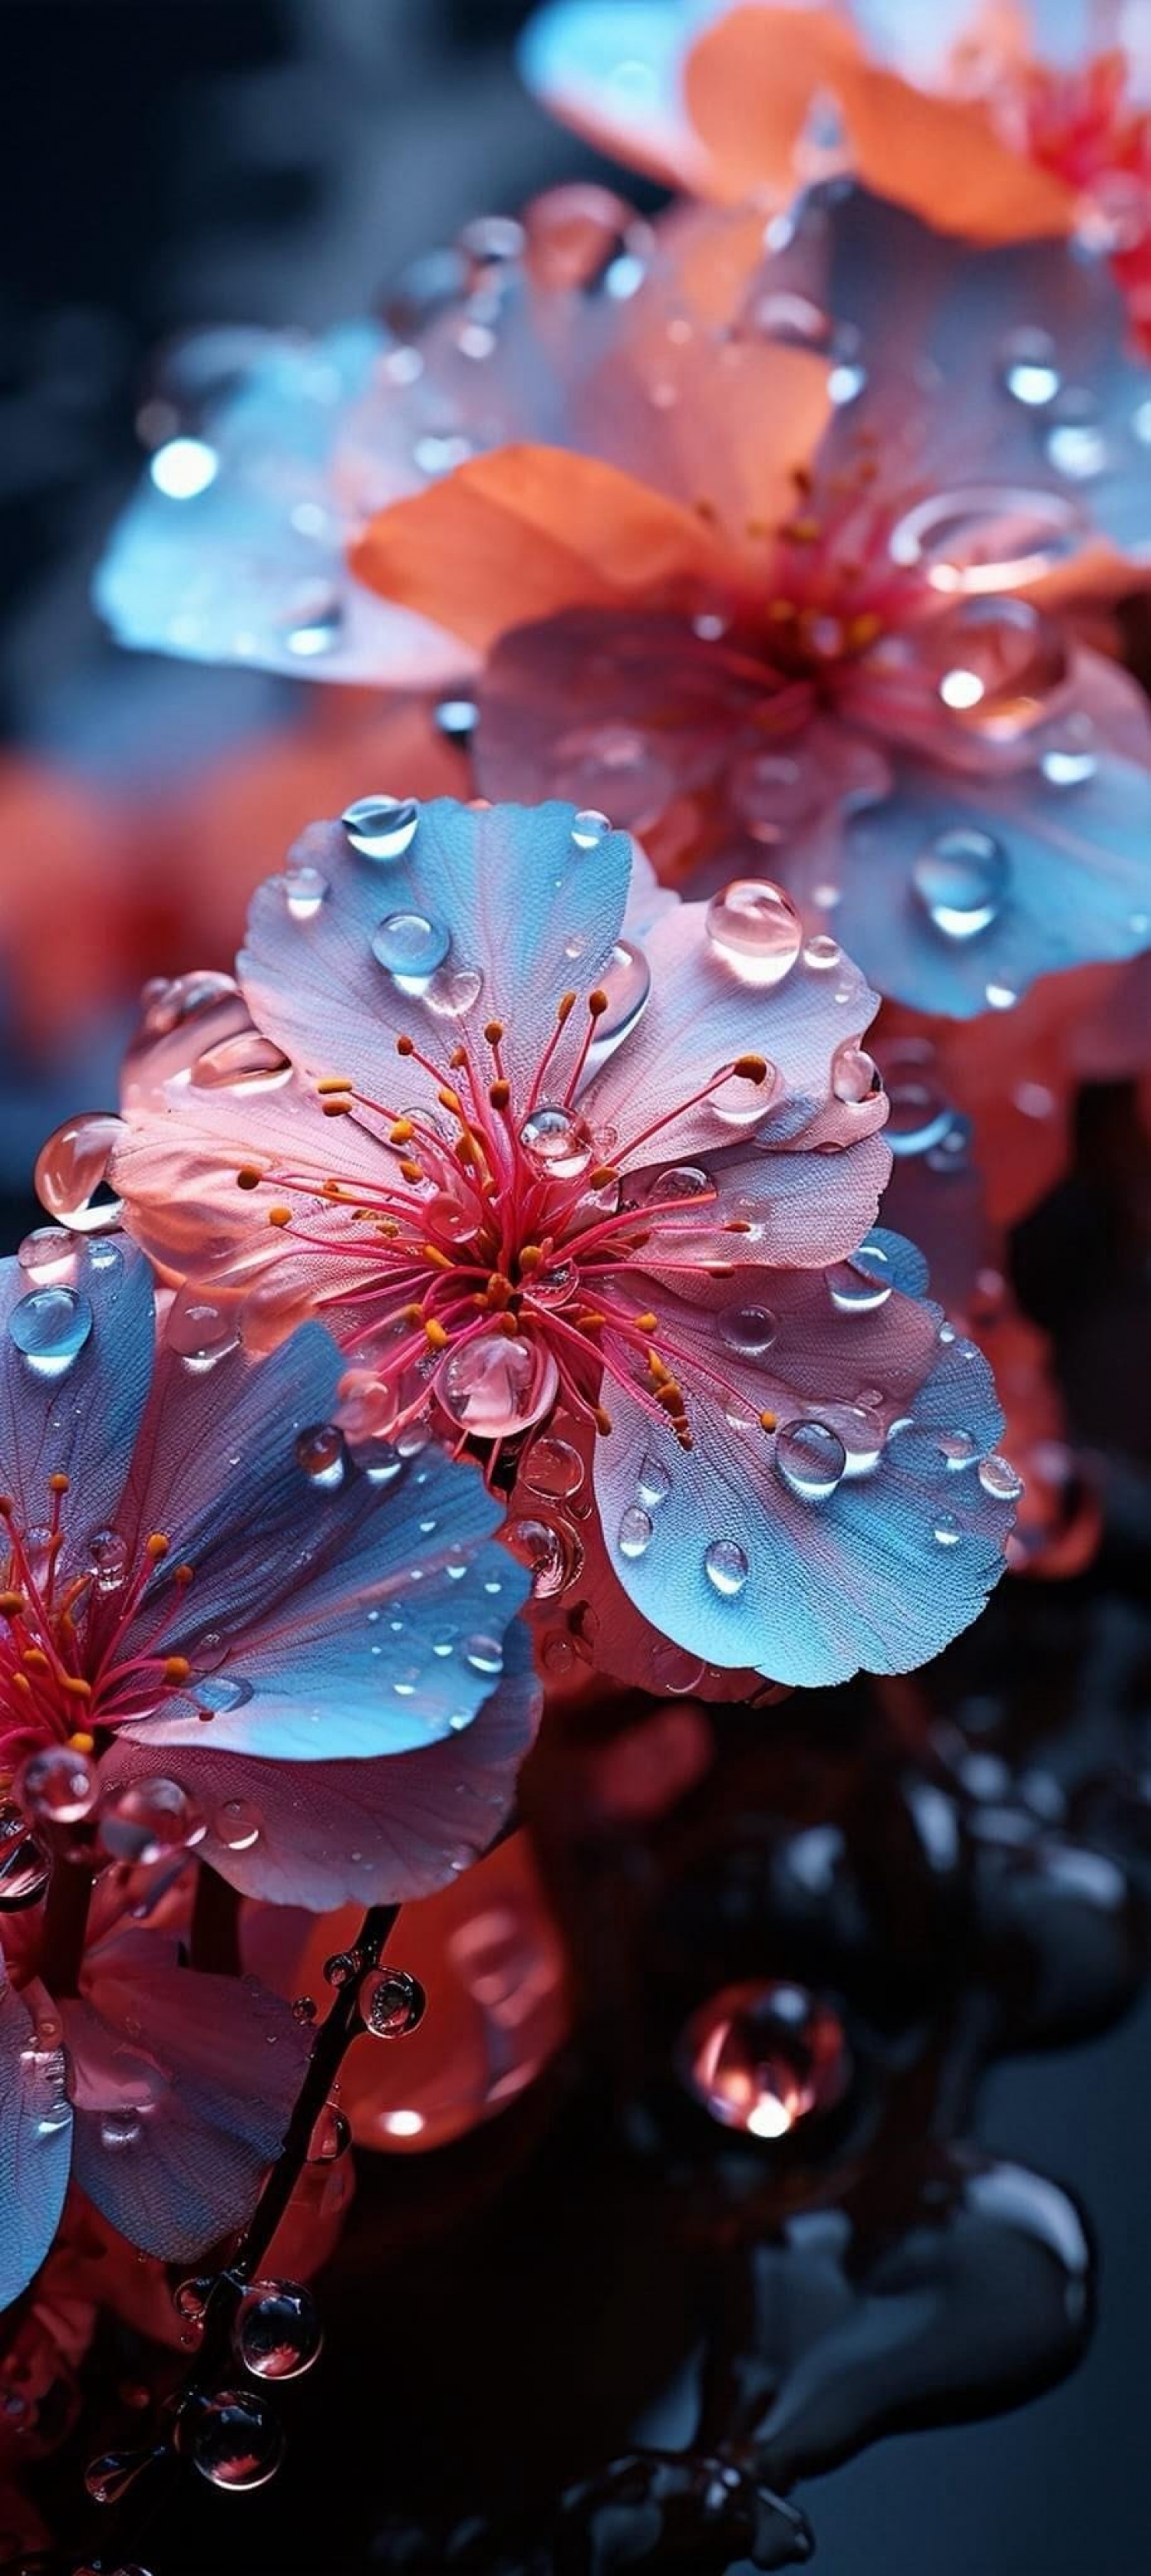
x=36 y=1659
x=705 y=509
x=499 y=1291
x=183 y=1575
x=156 y=1546
x=341 y=1108
x=803 y=532
x=862 y=630
x=57 y=1484
x=21 y=1682
x=780 y=611
x=279 y=1216
x=249 y=1177
x=738 y=1225
x=449 y=1100
x=435 y=1335
x=597 y=1003
x=330 y=1082
x=410 y=1171
x=177 y=1669
x=531 y=1258
x=670 y=1394
x=493 y=1031
x=405 y=1046
x=646 y=1323
x=769 y=1421
x=602 y=1177
x=602 y=1421
x=402 y=1132
x=75 y=1685
x=508 y=1325
x=565 y=1006
x=658 y=1367
x=439 y=1260
x=751 y=1068
x=499 y=1094
x=81 y=1741
x=12 y=1605
x=412 y=1314
x=589 y=1322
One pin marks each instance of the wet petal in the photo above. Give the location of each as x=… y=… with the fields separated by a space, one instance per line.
x=76 y=1366
x=183 y=2085
x=35 y=2141
x=855 y=1545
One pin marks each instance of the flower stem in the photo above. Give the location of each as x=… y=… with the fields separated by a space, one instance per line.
x=65 y=1925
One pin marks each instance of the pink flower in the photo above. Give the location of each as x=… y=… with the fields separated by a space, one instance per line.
x=544 y=1147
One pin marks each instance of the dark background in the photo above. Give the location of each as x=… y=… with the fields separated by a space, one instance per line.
x=171 y=162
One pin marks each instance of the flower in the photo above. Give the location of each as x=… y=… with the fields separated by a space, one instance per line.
x=163 y=2092
x=867 y=679
x=542 y=1145
x=217 y=1632
x=954 y=116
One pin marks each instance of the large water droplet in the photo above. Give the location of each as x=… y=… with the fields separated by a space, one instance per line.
x=761 y=2056
x=553 y=1560
x=392 y=2003
x=494 y=1386
x=48 y=1255
x=50 y=1327
x=811 y=1459
x=72 y=1173
x=584 y=239
x=57 y=1786
x=1000 y=1479
x=142 y=1821
x=986 y=537
x=223 y=1692
x=653 y=1483
x=947 y=1530
x=120 y=2129
x=998 y=664
x=748 y=1329
x=237 y=1825
x=589 y=829
x=322 y=1453
x=201 y=1331
x=232 y=2438
x=410 y=944
x=756 y=930
x=381 y=827
x=552 y=1467
x=306 y=890
x=634 y=1535
x=248 y=1063
x=772 y=792
x=855 y=1077
x=961 y=880
x=557 y=1141
x=860 y=1286
x=626 y=980
x=277 y=2333
x=725 y=1566
x=452 y=991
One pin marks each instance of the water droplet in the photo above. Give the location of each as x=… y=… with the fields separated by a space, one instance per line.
x=748 y=1329
x=305 y=891
x=1000 y=997
x=277 y=2333
x=557 y=1141
x=72 y=1173
x=120 y=2128
x=201 y=1331
x=392 y=2003
x=457 y=718
x=811 y=1459
x=190 y=2299
x=634 y=1534
x=823 y=953
x=108 y=2480
x=321 y=1452
x=142 y=1821
x=312 y=620
x=1000 y=1479
x=558 y=1655
x=855 y=1077
x=552 y=1467
x=247 y=1063
x=860 y=1286
x=772 y=792
x=1030 y=368
x=793 y=321
x=755 y=928
x=232 y=2438
x=331 y=2137
x=1077 y=448
x=680 y=1183
x=48 y=1254
x=958 y=1448
x=410 y=944
x=674 y=1670
x=340 y=1968
x=381 y=827
x=589 y=829
x=961 y=880
x=222 y=1692
x=947 y=1530
x=494 y=1386
x=986 y=537
x=237 y=1825
x=485 y=1655
x=725 y=1566
x=25 y=1866
x=583 y=239
x=1068 y=764
x=998 y=664
x=554 y=1561
x=918 y=1116
x=762 y=2056
x=626 y=980
x=452 y=991
x=57 y=1785
x=50 y=1327
x=108 y=1557
x=653 y=1483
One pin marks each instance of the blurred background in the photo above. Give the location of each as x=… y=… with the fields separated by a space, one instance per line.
x=173 y=163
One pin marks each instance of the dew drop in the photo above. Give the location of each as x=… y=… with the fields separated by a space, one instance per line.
x=108 y=1557
x=392 y=2003
x=1000 y=1479
x=589 y=828
x=485 y=1655
x=557 y=1141
x=725 y=1566
x=811 y=1459
x=958 y=1448
x=823 y=953
x=322 y=1453
x=237 y=1825
x=541 y=1548
x=760 y=2057
x=305 y=892
x=626 y=980
x=1030 y=368
x=452 y=991
x=998 y=665
x=750 y=1330
x=232 y=2438
x=142 y=1821
x=48 y=1254
x=653 y=1483
x=276 y=2333
x=494 y=1386
x=946 y=1530
x=855 y=1077
x=633 y=1537
x=120 y=2129
x=674 y=1670
x=25 y=1865
x=57 y=1786
x=381 y=827
x=410 y=944
x=755 y=929
x=961 y=880
x=50 y=1328
x=552 y=1467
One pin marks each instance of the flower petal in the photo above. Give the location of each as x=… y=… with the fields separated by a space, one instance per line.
x=615 y=76
x=184 y=2084
x=886 y=1566
x=371 y=1832
x=35 y=2142
x=76 y=1417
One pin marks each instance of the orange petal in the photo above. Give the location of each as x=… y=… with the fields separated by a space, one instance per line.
x=527 y=531
x=940 y=157
x=749 y=83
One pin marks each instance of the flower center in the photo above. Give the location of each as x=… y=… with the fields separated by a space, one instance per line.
x=493 y=1253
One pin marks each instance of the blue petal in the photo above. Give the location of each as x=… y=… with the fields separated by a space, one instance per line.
x=233 y=548
x=82 y=1422
x=1076 y=885
x=35 y=2145
x=351 y=1619
x=614 y=63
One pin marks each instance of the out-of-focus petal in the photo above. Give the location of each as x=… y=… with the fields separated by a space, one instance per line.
x=35 y=2139
x=758 y=1552
x=528 y=531
x=613 y=72
x=183 y=2085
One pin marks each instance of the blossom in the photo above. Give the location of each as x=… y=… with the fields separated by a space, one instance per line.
x=991 y=120
x=162 y=2092
x=541 y=1144
x=864 y=679
x=218 y=1633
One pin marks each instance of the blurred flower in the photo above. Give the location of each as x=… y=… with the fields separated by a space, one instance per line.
x=833 y=640
x=212 y=1636
x=517 y=1150
x=1000 y=121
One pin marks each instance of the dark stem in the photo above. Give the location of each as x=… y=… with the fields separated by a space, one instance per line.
x=215 y=1935
x=65 y=1925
